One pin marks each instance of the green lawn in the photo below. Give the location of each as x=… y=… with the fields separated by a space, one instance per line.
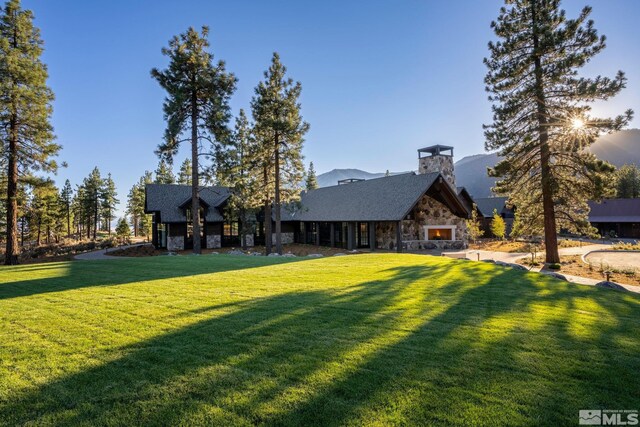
x=367 y=339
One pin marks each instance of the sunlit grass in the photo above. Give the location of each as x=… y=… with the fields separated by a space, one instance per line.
x=366 y=339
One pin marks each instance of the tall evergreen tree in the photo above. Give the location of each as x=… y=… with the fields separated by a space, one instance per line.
x=197 y=104
x=26 y=134
x=185 y=173
x=93 y=190
x=66 y=198
x=541 y=123
x=628 y=182
x=237 y=172
x=164 y=173
x=280 y=130
x=312 y=180
x=140 y=221
x=109 y=202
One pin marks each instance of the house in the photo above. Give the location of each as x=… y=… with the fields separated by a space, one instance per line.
x=616 y=217
x=486 y=206
x=400 y=212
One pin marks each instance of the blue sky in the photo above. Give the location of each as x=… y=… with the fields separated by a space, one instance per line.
x=380 y=78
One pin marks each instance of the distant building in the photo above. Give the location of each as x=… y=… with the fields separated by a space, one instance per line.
x=616 y=217
x=486 y=206
x=400 y=212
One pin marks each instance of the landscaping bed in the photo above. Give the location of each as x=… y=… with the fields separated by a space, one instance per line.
x=514 y=246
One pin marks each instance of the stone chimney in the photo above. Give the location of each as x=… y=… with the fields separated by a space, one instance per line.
x=437 y=158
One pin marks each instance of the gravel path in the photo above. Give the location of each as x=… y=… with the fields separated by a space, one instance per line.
x=615 y=259
x=103 y=253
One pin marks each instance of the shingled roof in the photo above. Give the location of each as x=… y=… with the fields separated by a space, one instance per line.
x=615 y=210
x=486 y=205
x=388 y=198
x=167 y=199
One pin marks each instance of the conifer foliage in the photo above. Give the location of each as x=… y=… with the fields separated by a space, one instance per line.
x=541 y=115
x=280 y=131
x=196 y=107
x=26 y=134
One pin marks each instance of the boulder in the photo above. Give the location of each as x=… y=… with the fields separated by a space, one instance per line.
x=235 y=252
x=315 y=255
x=611 y=285
x=289 y=255
x=555 y=275
x=274 y=254
x=339 y=254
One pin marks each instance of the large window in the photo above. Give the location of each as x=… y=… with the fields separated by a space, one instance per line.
x=230 y=229
x=363 y=234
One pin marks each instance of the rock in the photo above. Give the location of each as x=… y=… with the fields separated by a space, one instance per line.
x=611 y=285
x=172 y=254
x=274 y=254
x=518 y=266
x=235 y=252
x=555 y=275
x=215 y=253
x=339 y=254
x=490 y=261
x=315 y=255
x=289 y=255
x=255 y=254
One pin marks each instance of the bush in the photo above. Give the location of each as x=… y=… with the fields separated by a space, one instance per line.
x=554 y=266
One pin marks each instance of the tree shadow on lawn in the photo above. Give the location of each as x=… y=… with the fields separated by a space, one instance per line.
x=19 y=281
x=426 y=345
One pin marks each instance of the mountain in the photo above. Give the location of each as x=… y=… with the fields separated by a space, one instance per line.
x=619 y=148
x=332 y=177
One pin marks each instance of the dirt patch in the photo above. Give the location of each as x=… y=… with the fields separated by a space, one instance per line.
x=512 y=246
x=573 y=265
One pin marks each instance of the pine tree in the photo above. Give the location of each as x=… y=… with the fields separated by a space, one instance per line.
x=123 y=232
x=26 y=134
x=541 y=123
x=197 y=104
x=280 y=131
x=66 y=198
x=135 y=206
x=628 y=182
x=184 y=175
x=108 y=202
x=312 y=179
x=237 y=172
x=498 y=226
x=473 y=225
x=91 y=202
x=164 y=173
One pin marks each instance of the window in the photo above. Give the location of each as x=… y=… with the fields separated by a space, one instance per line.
x=363 y=234
x=230 y=228
x=190 y=223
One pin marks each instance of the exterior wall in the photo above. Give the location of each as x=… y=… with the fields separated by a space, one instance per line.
x=175 y=243
x=214 y=241
x=438 y=163
x=386 y=235
x=213 y=235
x=428 y=211
x=287 y=237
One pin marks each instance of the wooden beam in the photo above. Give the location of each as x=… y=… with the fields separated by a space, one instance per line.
x=317 y=234
x=372 y=236
x=332 y=230
x=350 y=236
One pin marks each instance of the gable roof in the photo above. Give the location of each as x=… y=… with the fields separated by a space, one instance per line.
x=488 y=204
x=167 y=199
x=615 y=210
x=388 y=198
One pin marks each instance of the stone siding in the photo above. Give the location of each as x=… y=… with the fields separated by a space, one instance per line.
x=175 y=243
x=438 y=163
x=386 y=235
x=214 y=241
x=249 y=240
x=287 y=238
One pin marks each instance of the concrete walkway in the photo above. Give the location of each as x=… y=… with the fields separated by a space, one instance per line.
x=104 y=253
x=615 y=259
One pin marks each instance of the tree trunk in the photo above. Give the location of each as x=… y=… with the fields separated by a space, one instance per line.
x=135 y=226
x=109 y=221
x=277 y=195
x=95 y=220
x=68 y=222
x=547 y=184
x=267 y=214
x=11 y=253
x=195 y=202
x=39 y=232
x=243 y=228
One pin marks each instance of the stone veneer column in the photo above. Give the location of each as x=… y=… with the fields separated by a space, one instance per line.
x=438 y=163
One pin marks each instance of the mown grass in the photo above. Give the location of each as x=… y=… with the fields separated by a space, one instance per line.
x=369 y=339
